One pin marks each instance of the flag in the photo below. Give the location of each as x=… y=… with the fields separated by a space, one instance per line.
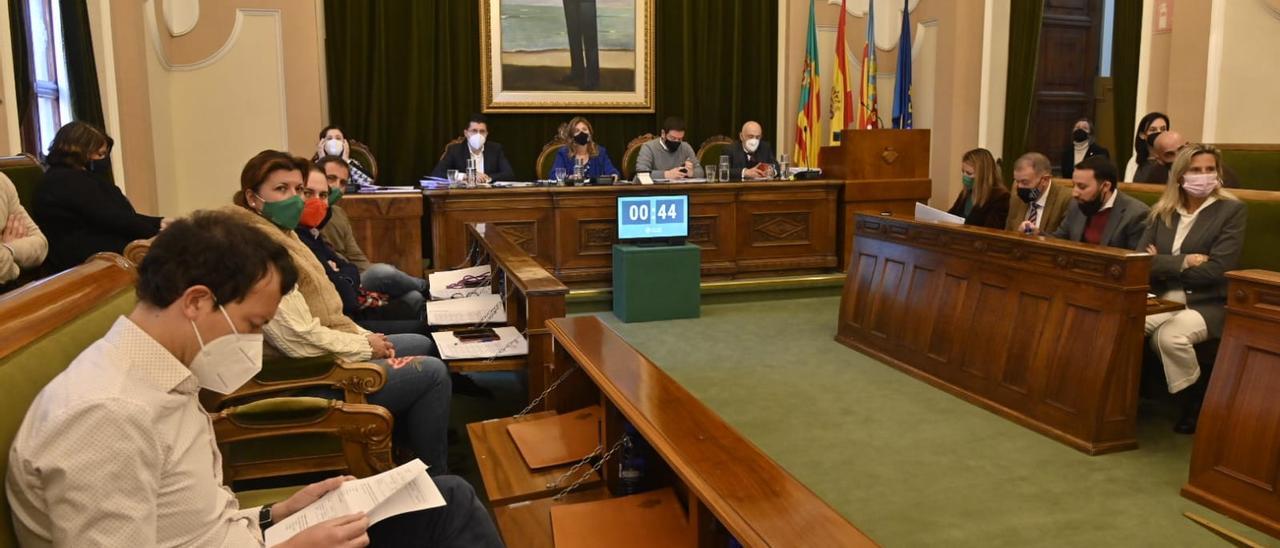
x=868 y=115
x=842 y=105
x=807 y=122
x=902 y=84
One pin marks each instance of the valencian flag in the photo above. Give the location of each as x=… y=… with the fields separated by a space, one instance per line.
x=842 y=105
x=902 y=85
x=868 y=114
x=808 y=122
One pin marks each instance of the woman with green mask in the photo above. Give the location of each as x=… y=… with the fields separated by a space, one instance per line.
x=984 y=200
x=310 y=322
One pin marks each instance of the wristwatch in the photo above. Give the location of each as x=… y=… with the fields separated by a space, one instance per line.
x=264 y=517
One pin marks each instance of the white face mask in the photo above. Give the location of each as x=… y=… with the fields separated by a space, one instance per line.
x=476 y=141
x=752 y=145
x=227 y=362
x=333 y=147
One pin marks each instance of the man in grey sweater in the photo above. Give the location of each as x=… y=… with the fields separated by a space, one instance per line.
x=669 y=157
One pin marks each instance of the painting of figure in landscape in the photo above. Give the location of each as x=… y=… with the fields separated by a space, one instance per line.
x=555 y=55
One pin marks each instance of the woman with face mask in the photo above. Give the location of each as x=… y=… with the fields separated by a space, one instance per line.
x=310 y=320
x=984 y=201
x=1082 y=146
x=1144 y=142
x=583 y=150
x=79 y=208
x=333 y=142
x=1196 y=231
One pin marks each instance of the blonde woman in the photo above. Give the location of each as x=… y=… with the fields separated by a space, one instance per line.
x=1196 y=231
x=984 y=200
x=583 y=150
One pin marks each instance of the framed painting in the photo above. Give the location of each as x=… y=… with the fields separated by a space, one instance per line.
x=567 y=55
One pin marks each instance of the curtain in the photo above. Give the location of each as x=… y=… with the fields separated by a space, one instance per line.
x=404 y=77
x=1024 y=49
x=1126 y=39
x=25 y=95
x=82 y=71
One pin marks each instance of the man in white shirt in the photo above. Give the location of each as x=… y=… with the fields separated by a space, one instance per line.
x=117 y=451
x=1036 y=206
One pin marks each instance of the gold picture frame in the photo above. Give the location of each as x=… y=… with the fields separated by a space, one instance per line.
x=528 y=66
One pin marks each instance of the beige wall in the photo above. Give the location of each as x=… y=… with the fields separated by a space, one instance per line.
x=1247 y=109
x=947 y=78
x=190 y=109
x=10 y=142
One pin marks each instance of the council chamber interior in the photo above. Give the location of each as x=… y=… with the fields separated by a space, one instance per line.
x=574 y=273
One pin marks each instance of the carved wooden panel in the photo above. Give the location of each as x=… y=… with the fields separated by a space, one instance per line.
x=702 y=229
x=780 y=228
x=522 y=233
x=597 y=236
x=1235 y=462
x=960 y=308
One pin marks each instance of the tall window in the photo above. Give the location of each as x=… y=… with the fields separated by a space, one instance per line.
x=49 y=69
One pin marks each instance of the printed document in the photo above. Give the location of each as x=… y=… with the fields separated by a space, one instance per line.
x=929 y=214
x=509 y=343
x=467 y=311
x=406 y=488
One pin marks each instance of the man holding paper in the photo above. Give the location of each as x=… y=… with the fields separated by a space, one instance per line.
x=117 y=451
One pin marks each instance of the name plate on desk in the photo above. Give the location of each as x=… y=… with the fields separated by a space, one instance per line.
x=1044 y=332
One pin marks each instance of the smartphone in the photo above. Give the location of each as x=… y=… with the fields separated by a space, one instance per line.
x=483 y=334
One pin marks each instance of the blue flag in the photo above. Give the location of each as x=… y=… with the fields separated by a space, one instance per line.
x=902 y=84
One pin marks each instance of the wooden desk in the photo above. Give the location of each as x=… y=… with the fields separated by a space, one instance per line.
x=744 y=229
x=388 y=228
x=721 y=476
x=1046 y=333
x=1235 y=462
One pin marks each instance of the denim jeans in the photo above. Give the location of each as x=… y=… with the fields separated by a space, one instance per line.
x=418 y=395
x=411 y=344
x=463 y=522
x=384 y=278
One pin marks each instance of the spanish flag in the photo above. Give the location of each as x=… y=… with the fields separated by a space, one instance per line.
x=868 y=115
x=808 y=122
x=842 y=105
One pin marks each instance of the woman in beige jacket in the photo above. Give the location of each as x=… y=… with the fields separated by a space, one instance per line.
x=309 y=321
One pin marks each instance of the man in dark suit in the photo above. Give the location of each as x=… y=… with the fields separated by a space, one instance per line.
x=1166 y=149
x=1102 y=215
x=749 y=157
x=491 y=163
x=584 y=43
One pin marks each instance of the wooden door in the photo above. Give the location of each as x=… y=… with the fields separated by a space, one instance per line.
x=1065 y=72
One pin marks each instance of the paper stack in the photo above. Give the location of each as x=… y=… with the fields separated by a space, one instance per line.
x=510 y=343
x=481 y=309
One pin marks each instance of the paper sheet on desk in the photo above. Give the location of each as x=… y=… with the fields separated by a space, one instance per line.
x=467 y=311
x=440 y=282
x=509 y=343
x=406 y=488
x=926 y=213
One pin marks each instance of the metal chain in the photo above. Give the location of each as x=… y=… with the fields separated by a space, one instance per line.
x=546 y=392
x=506 y=294
x=623 y=441
x=569 y=473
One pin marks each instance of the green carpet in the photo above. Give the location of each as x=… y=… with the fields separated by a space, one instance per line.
x=911 y=465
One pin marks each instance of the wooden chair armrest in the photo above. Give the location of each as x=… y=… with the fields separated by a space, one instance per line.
x=356 y=380
x=365 y=430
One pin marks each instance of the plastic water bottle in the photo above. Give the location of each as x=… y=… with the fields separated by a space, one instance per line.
x=631 y=469
x=471 y=172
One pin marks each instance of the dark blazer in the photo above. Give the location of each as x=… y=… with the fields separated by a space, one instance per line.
x=1218 y=233
x=992 y=214
x=740 y=160
x=1124 y=227
x=1069 y=157
x=456 y=155
x=82 y=213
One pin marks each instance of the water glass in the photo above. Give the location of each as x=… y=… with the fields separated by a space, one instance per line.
x=784 y=164
x=559 y=174
x=452 y=175
x=709 y=171
x=724 y=168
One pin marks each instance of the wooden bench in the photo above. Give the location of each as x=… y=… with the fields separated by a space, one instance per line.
x=532 y=296
x=726 y=485
x=1234 y=462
